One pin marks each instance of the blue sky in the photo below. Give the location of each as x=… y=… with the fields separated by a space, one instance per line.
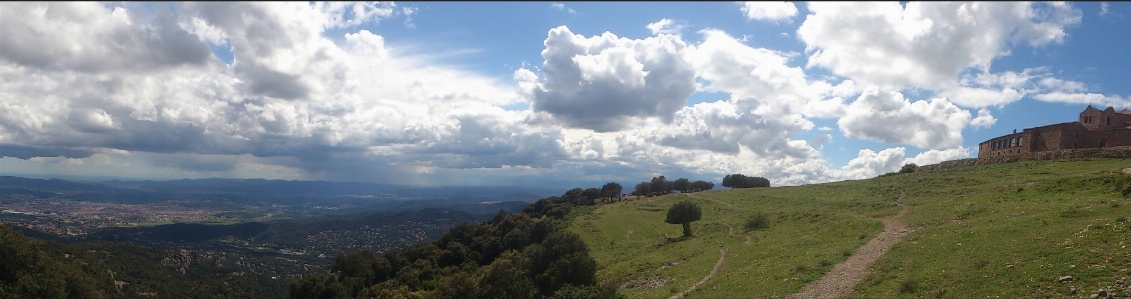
x=466 y=93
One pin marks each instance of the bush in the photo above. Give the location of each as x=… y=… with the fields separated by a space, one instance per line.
x=908 y=286
x=758 y=221
x=908 y=168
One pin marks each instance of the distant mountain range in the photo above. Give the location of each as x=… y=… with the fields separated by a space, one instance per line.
x=260 y=188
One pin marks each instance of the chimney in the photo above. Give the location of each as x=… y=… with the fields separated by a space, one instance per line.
x=1014 y=131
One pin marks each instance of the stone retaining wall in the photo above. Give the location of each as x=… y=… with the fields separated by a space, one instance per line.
x=1123 y=152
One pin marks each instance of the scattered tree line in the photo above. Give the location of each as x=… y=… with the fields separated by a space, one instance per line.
x=660 y=185
x=742 y=181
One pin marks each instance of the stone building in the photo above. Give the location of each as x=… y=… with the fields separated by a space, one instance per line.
x=1095 y=128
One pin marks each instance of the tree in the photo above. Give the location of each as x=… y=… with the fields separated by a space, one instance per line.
x=682 y=184
x=732 y=180
x=642 y=189
x=742 y=181
x=661 y=185
x=612 y=189
x=908 y=168
x=591 y=195
x=507 y=277
x=757 y=182
x=684 y=212
x=702 y=185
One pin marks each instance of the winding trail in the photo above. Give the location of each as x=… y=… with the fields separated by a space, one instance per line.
x=842 y=279
x=722 y=258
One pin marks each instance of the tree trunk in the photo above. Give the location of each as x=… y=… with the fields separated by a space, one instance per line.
x=687 y=229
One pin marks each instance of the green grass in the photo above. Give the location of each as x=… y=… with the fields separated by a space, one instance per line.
x=1040 y=217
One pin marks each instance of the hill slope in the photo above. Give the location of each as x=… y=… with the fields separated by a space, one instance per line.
x=1007 y=230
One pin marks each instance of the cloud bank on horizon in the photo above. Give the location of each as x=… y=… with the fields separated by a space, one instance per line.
x=315 y=91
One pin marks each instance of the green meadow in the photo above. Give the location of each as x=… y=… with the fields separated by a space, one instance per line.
x=1003 y=230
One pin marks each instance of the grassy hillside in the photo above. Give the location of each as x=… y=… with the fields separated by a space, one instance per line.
x=1006 y=230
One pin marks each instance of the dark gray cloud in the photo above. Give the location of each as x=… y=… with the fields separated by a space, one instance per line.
x=258 y=34
x=83 y=37
x=267 y=82
x=194 y=162
x=27 y=152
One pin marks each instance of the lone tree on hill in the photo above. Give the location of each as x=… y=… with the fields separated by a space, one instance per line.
x=684 y=212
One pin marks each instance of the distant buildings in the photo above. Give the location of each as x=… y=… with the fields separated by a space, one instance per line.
x=1095 y=129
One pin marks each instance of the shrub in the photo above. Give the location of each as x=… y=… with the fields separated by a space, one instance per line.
x=758 y=221
x=908 y=168
x=908 y=286
x=825 y=263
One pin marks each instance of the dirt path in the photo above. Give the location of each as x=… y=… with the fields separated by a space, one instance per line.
x=842 y=279
x=722 y=258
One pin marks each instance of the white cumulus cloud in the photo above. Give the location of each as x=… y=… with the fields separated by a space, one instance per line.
x=887 y=116
x=769 y=11
x=924 y=44
x=604 y=82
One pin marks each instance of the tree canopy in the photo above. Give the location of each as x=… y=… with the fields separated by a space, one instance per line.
x=684 y=213
x=660 y=185
x=908 y=168
x=742 y=181
x=520 y=255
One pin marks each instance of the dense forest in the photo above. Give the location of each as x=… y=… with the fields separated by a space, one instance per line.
x=31 y=268
x=520 y=255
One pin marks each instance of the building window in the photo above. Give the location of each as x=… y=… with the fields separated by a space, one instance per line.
x=1012 y=142
x=1021 y=141
x=1109 y=121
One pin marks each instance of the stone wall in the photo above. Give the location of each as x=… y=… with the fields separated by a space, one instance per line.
x=1123 y=152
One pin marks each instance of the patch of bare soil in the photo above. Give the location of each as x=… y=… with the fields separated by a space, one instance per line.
x=645 y=282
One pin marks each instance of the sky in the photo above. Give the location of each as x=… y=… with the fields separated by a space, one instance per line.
x=539 y=93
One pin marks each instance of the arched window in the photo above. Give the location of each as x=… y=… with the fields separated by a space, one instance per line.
x=1012 y=142
x=1021 y=141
